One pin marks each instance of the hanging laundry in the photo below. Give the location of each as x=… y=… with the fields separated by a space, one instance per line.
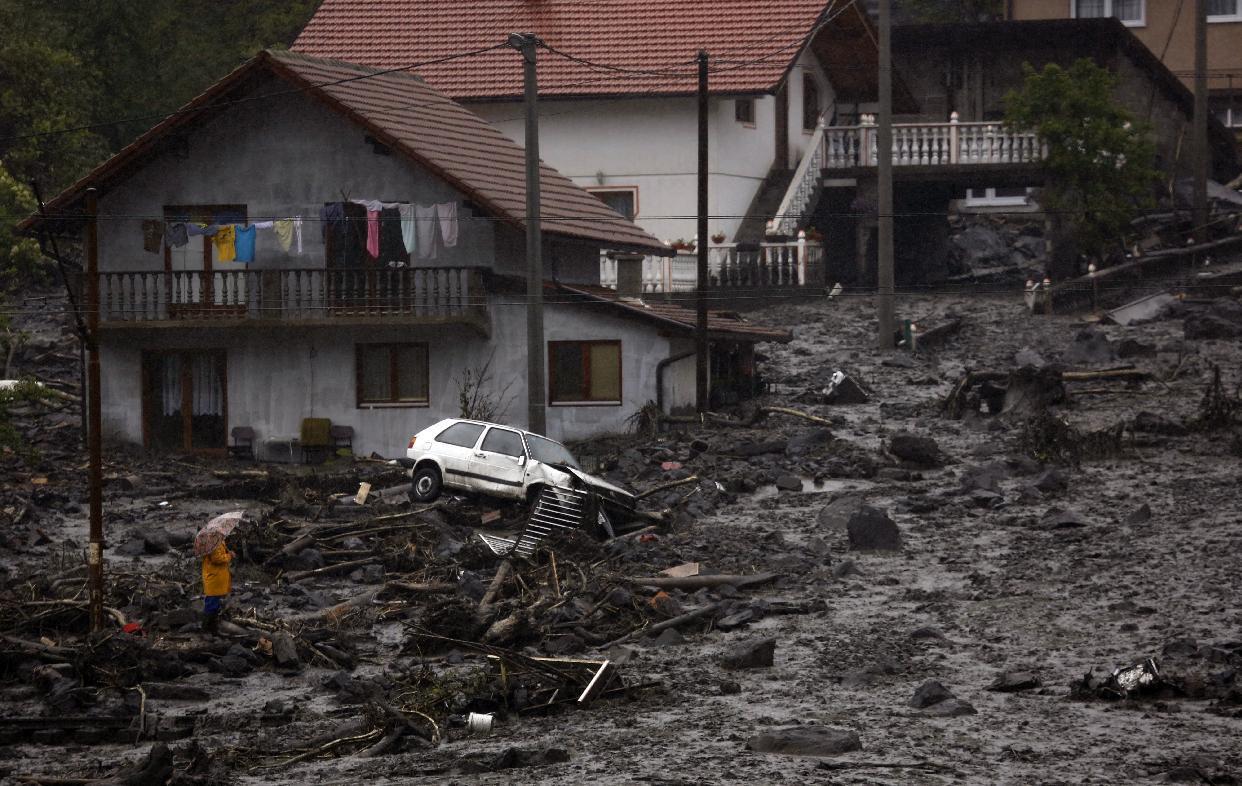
x=425 y=228
x=201 y=230
x=284 y=233
x=263 y=224
x=332 y=221
x=153 y=235
x=373 y=208
x=447 y=213
x=176 y=235
x=243 y=243
x=407 y=227
x=392 y=244
x=297 y=231
x=224 y=239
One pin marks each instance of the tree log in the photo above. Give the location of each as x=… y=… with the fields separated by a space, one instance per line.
x=329 y=570
x=666 y=486
x=698 y=582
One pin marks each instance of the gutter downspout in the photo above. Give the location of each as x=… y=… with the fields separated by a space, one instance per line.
x=663 y=364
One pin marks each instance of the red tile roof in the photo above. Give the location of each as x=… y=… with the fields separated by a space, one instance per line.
x=751 y=44
x=720 y=324
x=402 y=112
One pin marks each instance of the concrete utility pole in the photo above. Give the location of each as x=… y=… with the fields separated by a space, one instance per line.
x=884 y=174
x=1202 y=159
x=702 y=367
x=94 y=557
x=536 y=406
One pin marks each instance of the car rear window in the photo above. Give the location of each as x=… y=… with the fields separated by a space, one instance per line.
x=463 y=435
x=505 y=442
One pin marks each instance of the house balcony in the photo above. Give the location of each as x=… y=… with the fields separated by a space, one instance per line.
x=962 y=155
x=948 y=144
x=296 y=297
x=776 y=267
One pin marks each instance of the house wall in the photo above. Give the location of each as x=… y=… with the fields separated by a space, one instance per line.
x=1169 y=29
x=280 y=157
x=981 y=78
x=277 y=377
x=799 y=139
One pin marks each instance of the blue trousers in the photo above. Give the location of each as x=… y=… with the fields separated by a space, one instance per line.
x=212 y=604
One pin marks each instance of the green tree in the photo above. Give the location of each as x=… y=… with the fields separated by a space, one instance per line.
x=1100 y=165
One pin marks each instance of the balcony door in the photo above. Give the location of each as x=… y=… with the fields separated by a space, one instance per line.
x=185 y=400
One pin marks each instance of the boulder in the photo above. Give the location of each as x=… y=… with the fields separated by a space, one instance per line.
x=285 y=651
x=979 y=246
x=749 y=449
x=836 y=514
x=915 y=449
x=805 y=741
x=1141 y=515
x=1051 y=482
x=1061 y=518
x=870 y=529
x=1029 y=357
x=929 y=693
x=756 y=654
x=788 y=482
x=808 y=441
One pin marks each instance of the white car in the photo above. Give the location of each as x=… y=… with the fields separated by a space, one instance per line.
x=500 y=461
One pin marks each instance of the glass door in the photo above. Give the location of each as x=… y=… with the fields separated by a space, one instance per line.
x=185 y=402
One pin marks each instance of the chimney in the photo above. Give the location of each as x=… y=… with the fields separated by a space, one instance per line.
x=629 y=275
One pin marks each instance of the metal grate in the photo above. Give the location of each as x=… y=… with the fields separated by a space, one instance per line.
x=556 y=510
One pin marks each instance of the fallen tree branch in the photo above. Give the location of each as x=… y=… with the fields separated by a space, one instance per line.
x=329 y=570
x=678 y=621
x=794 y=413
x=666 y=486
x=699 y=582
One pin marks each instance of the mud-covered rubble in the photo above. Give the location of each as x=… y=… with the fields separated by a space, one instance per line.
x=916 y=587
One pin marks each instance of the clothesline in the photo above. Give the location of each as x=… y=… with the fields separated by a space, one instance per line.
x=420 y=229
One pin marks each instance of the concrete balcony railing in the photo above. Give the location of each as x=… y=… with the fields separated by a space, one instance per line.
x=234 y=297
x=931 y=144
x=772 y=266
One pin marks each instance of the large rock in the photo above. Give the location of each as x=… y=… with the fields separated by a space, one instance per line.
x=805 y=741
x=870 y=529
x=915 y=449
x=757 y=654
x=285 y=651
x=1014 y=681
x=949 y=708
x=929 y=693
x=836 y=514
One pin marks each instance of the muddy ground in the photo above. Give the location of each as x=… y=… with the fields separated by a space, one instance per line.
x=986 y=582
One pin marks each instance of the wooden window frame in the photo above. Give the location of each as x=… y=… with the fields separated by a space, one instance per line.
x=746 y=118
x=362 y=403
x=586 y=375
x=1236 y=16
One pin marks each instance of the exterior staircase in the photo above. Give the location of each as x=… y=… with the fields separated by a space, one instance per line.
x=763 y=206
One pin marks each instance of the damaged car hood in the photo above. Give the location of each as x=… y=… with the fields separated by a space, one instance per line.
x=600 y=486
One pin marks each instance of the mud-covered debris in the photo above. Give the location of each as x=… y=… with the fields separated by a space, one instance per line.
x=813 y=740
x=920 y=450
x=842 y=389
x=870 y=529
x=1014 y=681
x=929 y=693
x=756 y=654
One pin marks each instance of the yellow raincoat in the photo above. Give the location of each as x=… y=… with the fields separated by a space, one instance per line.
x=216 y=577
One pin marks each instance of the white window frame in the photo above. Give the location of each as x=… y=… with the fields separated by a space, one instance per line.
x=1108 y=11
x=1236 y=16
x=609 y=189
x=990 y=199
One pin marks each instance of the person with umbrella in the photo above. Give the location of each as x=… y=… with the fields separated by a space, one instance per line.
x=210 y=544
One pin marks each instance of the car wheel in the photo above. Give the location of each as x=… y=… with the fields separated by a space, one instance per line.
x=426 y=483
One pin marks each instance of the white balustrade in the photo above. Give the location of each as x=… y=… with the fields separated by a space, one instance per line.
x=929 y=144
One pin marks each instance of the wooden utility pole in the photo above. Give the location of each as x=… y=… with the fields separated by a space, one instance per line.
x=884 y=175
x=536 y=405
x=702 y=365
x=1202 y=159
x=94 y=557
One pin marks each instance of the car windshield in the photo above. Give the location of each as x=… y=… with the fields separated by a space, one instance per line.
x=549 y=452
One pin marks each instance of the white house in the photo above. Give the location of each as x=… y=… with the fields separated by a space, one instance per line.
x=255 y=271
x=617 y=86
